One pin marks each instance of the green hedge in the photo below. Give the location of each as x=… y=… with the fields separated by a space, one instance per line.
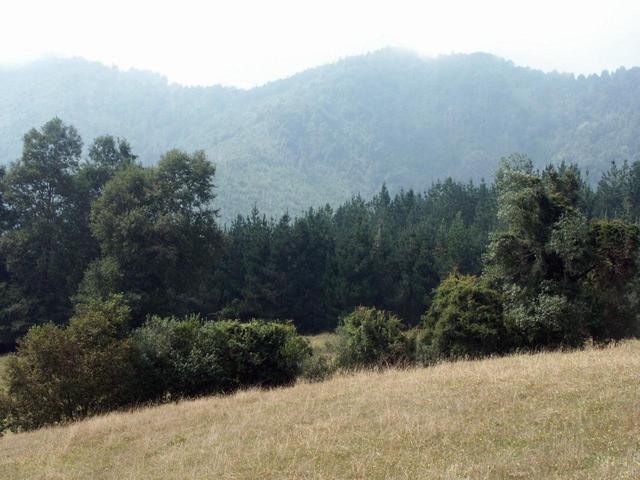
x=96 y=364
x=193 y=356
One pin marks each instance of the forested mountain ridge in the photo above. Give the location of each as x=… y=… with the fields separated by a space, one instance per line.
x=387 y=117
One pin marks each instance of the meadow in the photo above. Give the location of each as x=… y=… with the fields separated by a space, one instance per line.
x=547 y=415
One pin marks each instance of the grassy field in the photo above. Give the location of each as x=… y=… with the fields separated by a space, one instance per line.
x=553 y=415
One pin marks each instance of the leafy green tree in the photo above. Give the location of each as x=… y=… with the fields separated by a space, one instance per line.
x=464 y=320
x=41 y=246
x=553 y=264
x=611 y=280
x=107 y=155
x=156 y=228
x=522 y=258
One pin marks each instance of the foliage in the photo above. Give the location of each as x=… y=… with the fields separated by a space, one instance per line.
x=565 y=277
x=150 y=234
x=195 y=357
x=317 y=368
x=464 y=320
x=371 y=337
x=387 y=252
x=95 y=365
x=61 y=374
x=611 y=280
x=122 y=243
x=41 y=245
x=107 y=155
x=548 y=320
x=157 y=235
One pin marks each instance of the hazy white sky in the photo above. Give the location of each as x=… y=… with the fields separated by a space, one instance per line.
x=245 y=43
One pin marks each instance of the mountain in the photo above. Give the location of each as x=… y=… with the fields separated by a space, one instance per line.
x=348 y=127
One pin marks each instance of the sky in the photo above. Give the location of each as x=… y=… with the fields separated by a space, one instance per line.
x=247 y=43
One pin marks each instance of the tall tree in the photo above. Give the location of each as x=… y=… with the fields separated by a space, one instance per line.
x=106 y=156
x=42 y=255
x=158 y=237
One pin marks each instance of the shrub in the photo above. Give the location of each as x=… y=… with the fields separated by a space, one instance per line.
x=60 y=374
x=410 y=339
x=464 y=320
x=192 y=356
x=95 y=365
x=4 y=413
x=548 y=320
x=370 y=337
x=162 y=347
x=611 y=284
x=317 y=368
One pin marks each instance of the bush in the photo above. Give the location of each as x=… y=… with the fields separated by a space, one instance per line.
x=611 y=286
x=4 y=413
x=370 y=337
x=95 y=365
x=192 y=356
x=546 y=321
x=317 y=368
x=464 y=320
x=60 y=374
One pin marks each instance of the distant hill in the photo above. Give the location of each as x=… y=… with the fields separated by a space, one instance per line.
x=326 y=133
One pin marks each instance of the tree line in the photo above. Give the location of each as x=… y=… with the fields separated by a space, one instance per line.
x=120 y=287
x=77 y=229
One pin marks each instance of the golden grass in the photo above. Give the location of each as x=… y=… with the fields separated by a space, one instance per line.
x=553 y=415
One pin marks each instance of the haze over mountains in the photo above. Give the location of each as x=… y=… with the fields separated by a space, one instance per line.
x=388 y=117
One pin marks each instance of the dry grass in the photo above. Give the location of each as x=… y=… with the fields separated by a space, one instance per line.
x=553 y=415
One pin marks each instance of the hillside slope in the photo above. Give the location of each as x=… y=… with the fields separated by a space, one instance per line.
x=553 y=415
x=347 y=127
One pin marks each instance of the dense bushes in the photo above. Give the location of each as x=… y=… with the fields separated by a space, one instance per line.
x=62 y=374
x=611 y=282
x=548 y=320
x=564 y=277
x=371 y=337
x=192 y=356
x=95 y=365
x=465 y=320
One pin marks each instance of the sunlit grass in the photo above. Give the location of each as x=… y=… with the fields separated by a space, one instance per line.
x=551 y=415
